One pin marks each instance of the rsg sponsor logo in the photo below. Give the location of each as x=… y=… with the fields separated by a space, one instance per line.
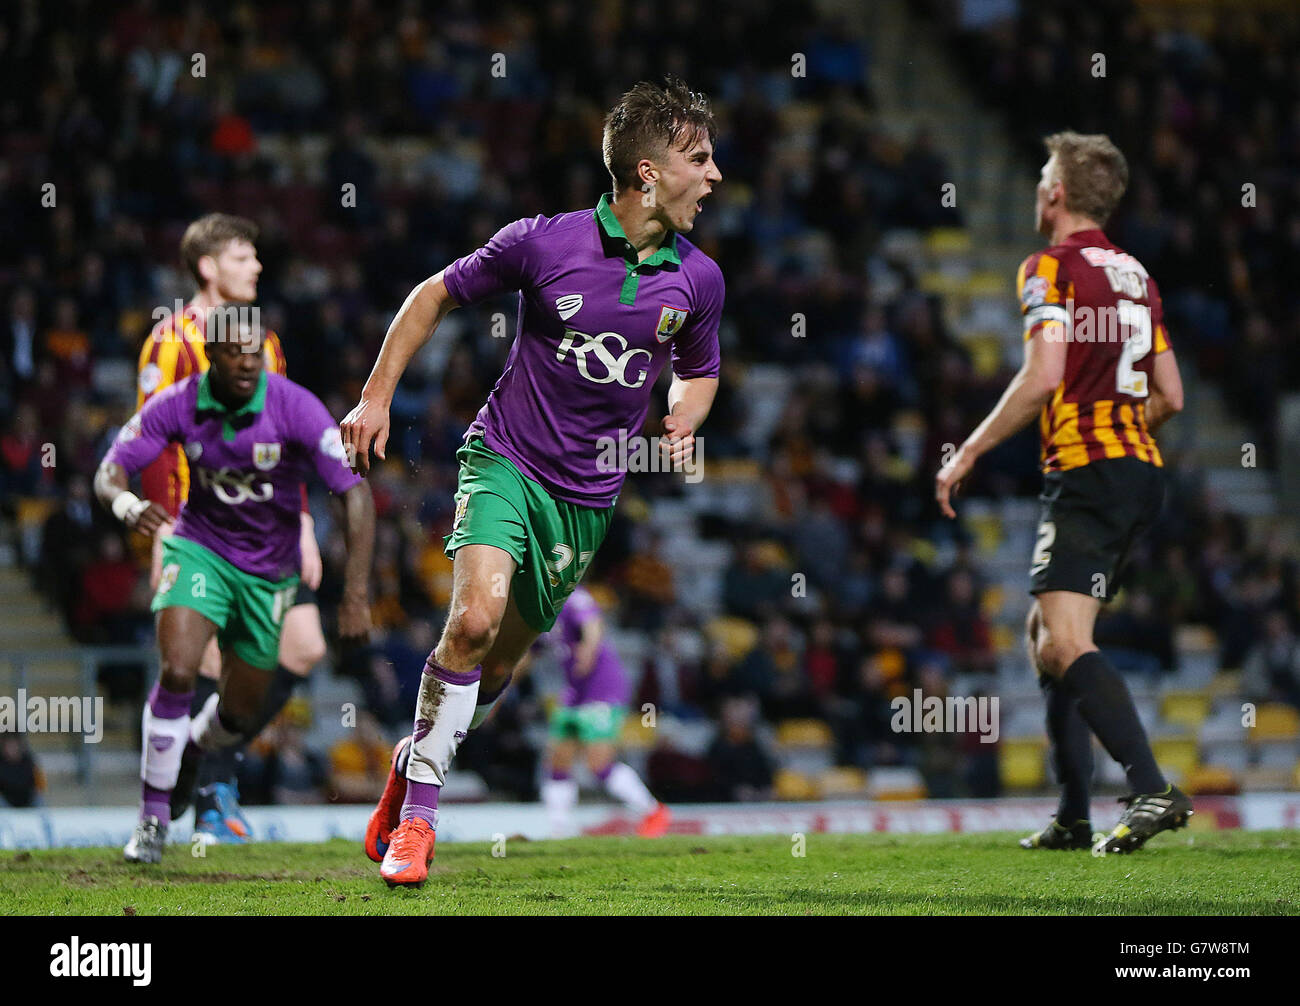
x=618 y=364
x=232 y=487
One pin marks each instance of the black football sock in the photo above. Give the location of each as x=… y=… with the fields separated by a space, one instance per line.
x=280 y=691
x=1107 y=707
x=1071 y=752
x=203 y=689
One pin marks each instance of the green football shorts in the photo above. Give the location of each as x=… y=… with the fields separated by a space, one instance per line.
x=248 y=610
x=551 y=541
x=589 y=723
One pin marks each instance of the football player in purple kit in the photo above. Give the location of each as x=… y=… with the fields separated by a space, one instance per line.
x=607 y=298
x=230 y=568
x=589 y=718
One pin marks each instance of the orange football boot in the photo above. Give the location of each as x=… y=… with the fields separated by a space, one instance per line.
x=385 y=817
x=410 y=851
x=655 y=824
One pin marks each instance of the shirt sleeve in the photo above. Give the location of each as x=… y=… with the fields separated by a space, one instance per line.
x=1038 y=289
x=695 y=351
x=1159 y=334
x=500 y=266
x=146 y=434
x=319 y=435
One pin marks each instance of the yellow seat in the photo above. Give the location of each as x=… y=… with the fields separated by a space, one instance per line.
x=804 y=733
x=736 y=635
x=843 y=780
x=1021 y=764
x=636 y=736
x=1211 y=780
x=1176 y=756
x=34 y=510
x=1275 y=721
x=1185 y=709
x=948 y=241
x=792 y=785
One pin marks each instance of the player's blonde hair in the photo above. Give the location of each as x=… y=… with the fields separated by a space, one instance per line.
x=649 y=120
x=1093 y=171
x=210 y=234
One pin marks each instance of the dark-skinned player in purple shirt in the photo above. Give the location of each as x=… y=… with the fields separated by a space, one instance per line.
x=230 y=569
x=607 y=299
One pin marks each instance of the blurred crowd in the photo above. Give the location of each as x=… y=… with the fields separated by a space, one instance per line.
x=120 y=123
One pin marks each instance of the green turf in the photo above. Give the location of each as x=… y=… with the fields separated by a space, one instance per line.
x=1251 y=873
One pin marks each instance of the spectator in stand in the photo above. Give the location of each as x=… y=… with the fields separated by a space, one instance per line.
x=742 y=770
x=21 y=780
x=1272 y=666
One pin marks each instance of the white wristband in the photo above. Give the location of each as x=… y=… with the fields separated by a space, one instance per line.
x=127 y=506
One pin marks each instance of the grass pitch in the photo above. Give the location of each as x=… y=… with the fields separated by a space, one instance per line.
x=1217 y=873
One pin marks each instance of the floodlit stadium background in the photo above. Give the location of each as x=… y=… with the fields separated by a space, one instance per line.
x=879 y=163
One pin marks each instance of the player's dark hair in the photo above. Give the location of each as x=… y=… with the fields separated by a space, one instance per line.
x=1093 y=171
x=649 y=120
x=210 y=234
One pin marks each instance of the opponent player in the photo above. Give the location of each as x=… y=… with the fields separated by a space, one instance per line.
x=1099 y=369
x=219 y=252
x=588 y=719
x=607 y=298
x=230 y=568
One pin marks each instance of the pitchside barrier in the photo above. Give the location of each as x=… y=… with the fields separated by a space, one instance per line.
x=43 y=828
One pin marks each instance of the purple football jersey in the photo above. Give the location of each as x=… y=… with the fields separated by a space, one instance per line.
x=246 y=467
x=595 y=329
x=606 y=681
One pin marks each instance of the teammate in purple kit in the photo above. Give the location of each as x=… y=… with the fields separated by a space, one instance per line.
x=589 y=718
x=231 y=566
x=607 y=298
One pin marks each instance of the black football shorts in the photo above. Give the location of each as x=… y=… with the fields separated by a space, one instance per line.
x=1089 y=519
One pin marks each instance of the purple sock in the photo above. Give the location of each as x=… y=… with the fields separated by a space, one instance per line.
x=156 y=803
x=603 y=774
x=421 y=801
x=558 y=775
x=169 y=705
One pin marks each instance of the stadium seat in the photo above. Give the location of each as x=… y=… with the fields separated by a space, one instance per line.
x=1211 y=780
x=635 y=736
x=1022 y=763
x=1185 y=708
x=948 y=241
x=898 y=782
x=1275 y=721
x=1177 y=757
x=804 y=733
x=842 y=781
x=736 y=635
x=791 y=785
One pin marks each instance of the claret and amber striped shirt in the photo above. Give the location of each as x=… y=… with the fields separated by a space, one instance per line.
x=1101 y=302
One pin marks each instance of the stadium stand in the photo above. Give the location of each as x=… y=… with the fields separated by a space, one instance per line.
x=867 y=324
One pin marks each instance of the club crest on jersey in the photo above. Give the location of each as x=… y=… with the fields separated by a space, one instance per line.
x=266 y=456
x=568 y=305
x=1034 y=292
x=671 y=320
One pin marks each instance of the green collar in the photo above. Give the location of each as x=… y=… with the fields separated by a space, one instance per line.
x=666 y=252
x=207 y=402
x=612 y=235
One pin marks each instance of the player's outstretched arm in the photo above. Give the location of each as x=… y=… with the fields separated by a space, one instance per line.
x=367 y=423
x=1031 y=388
x=1167 y=395
x=358 y=517
x=113 y=490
